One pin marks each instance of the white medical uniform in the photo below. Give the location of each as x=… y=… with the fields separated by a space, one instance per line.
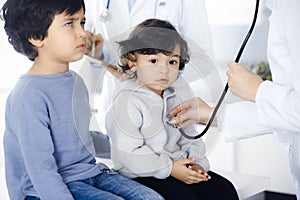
x=277 y=103
x=188 y=16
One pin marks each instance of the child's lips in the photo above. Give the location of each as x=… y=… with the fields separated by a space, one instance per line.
x=163 y=81
x=82 y=46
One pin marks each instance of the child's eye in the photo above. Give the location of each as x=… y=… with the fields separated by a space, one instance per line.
x=82 y=23
x=69 y=24
x=153 y=61
x=173 y=62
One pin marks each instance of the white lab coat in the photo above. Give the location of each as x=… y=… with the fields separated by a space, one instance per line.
x=188 y=16
x=277 y=103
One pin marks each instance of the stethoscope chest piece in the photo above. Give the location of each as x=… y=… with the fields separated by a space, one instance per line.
x=105 y=16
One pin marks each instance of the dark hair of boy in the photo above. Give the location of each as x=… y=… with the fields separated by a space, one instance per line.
x=32 y=20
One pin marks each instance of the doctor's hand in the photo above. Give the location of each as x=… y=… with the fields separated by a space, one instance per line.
x=94 y=45
x=242 y=82
x=191 y=111
x=186 y=174
x=96 y=42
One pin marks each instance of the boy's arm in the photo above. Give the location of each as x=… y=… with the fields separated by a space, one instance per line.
x=37 y=149
x=101 y=143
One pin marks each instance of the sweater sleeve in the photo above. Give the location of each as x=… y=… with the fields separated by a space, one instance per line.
x=37 y=148
x=130 y=151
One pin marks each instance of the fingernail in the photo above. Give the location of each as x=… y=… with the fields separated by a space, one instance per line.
x=172 y=121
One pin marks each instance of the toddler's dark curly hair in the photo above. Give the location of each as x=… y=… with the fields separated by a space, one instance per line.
x=151 y=37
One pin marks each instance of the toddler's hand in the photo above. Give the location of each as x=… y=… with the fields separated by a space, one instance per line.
x=185 y=174
x=200 y=170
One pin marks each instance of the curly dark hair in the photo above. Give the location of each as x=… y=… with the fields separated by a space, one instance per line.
x=25 y=19
x=151 y=37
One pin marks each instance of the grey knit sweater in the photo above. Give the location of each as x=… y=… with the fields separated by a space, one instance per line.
x=143 y=144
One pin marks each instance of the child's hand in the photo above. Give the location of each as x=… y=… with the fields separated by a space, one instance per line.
x=185 y=174
x=199 y=169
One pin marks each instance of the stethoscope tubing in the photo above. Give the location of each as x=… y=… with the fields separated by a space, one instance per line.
x=226 y=86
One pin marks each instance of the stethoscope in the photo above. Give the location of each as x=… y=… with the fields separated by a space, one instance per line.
x=226 y=87
x=105 y=16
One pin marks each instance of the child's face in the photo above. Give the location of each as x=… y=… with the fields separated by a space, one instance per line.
x=157 y=71
x=66 y=39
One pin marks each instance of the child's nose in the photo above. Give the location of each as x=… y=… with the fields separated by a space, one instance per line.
x=81 y=32
x=164 y=68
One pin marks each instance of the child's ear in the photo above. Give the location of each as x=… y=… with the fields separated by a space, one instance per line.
x=132 y=65
x=36 y=42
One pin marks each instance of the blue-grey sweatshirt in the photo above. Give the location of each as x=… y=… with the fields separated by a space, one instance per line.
x=47 y=141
